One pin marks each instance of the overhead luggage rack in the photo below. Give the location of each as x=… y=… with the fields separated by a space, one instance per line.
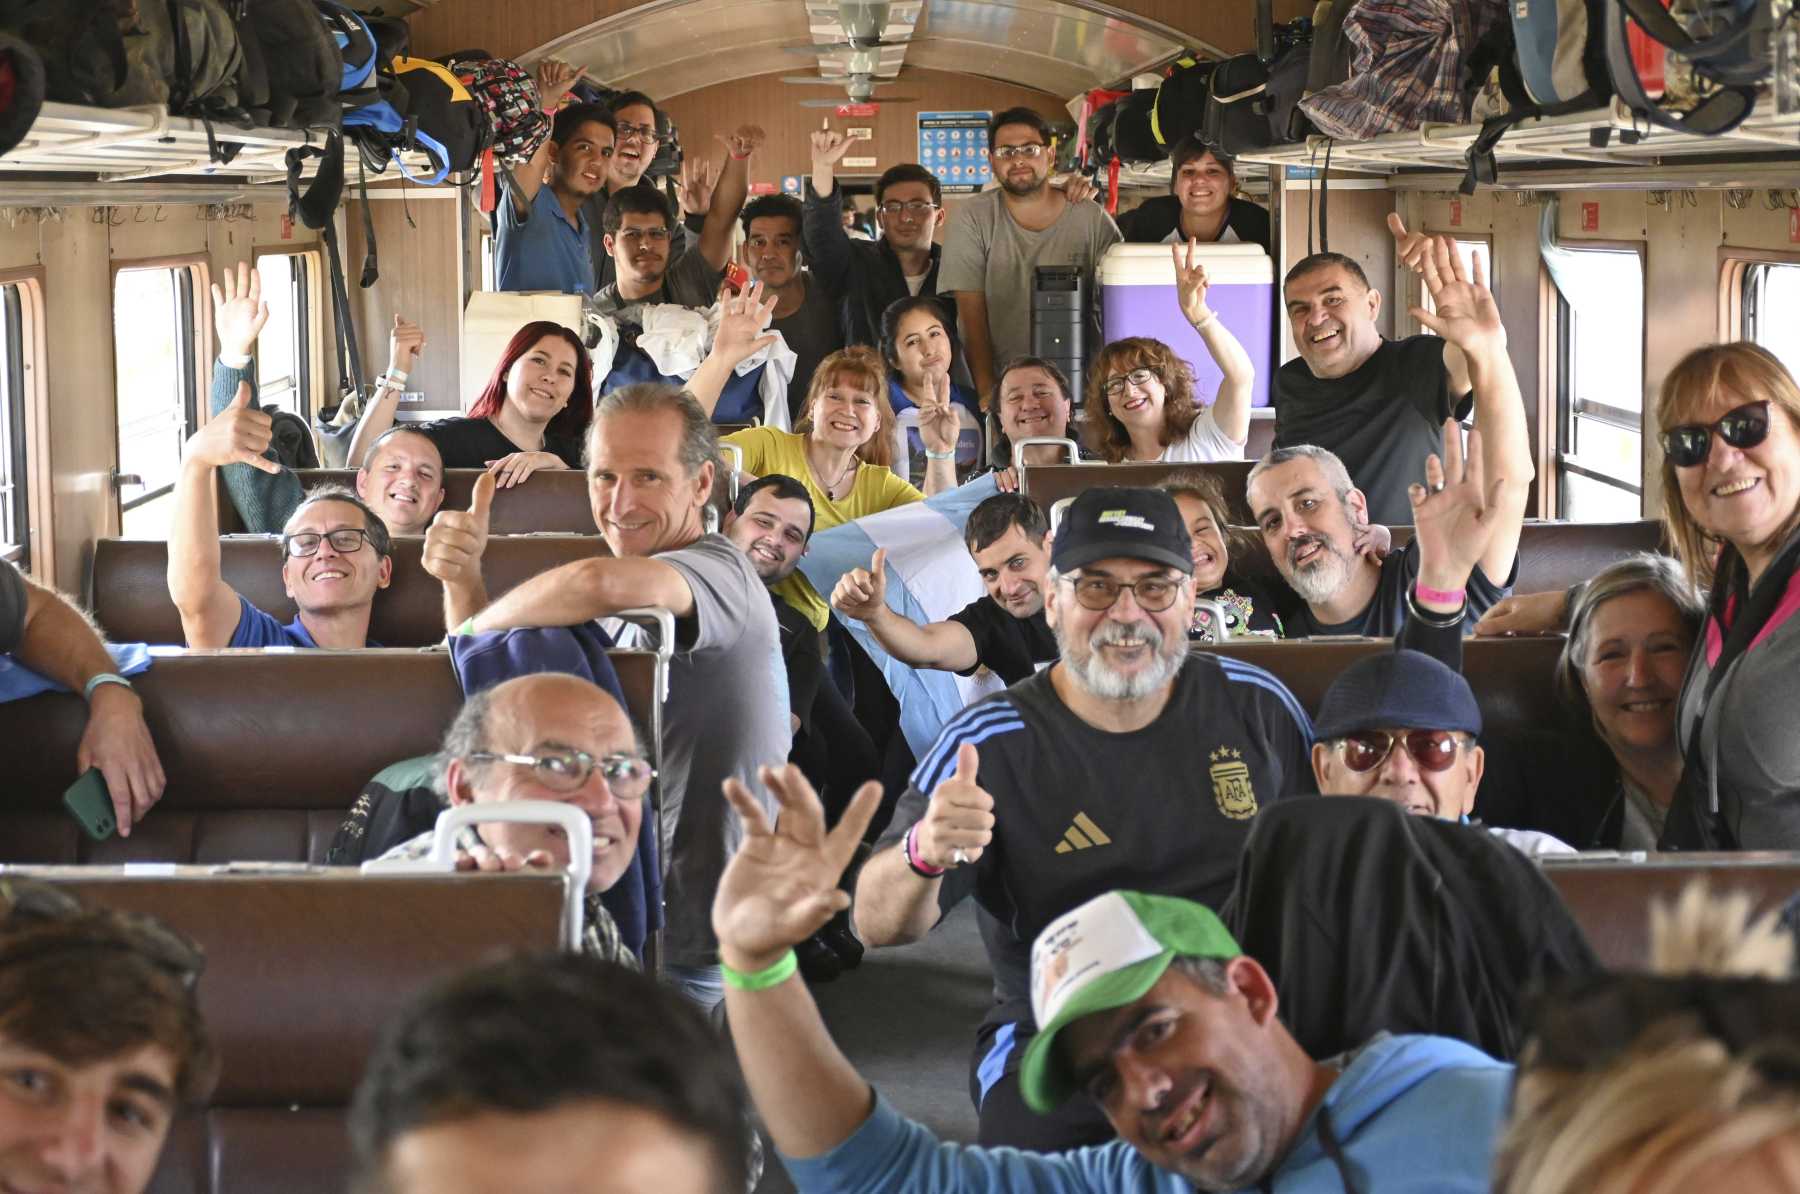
x=117 y=145
x=1567 y=140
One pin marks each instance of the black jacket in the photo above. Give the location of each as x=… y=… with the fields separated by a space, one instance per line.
x=1154 y=219
x=1371 y=919
x=861 y=276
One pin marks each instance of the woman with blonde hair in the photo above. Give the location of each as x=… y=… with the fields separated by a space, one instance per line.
x=1730 y=419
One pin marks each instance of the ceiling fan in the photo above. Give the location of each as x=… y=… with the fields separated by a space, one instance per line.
x=860 y=87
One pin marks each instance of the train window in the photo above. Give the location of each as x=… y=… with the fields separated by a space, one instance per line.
x=1772 y=306
x=15 y=532
x=153 y=337
x=1600 y=384
x=283 y=365
x=1467 y=249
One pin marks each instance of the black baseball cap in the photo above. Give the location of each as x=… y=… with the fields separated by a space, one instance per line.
x=1397 y=690
x=1138 y=524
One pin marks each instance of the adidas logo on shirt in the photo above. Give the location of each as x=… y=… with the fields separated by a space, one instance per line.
x=1081 y=835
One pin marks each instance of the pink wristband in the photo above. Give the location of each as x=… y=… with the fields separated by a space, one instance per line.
x=1440 y=596
x=920 y=866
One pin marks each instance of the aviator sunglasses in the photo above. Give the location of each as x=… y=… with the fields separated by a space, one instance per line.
x=1690 y=443
x=1434 y=750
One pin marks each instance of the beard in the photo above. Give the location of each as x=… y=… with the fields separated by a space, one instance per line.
x=1321 y=577
x=1024 y=190
x=1106 y=682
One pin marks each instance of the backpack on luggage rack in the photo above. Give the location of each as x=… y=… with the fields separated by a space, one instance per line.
x=1410 y=66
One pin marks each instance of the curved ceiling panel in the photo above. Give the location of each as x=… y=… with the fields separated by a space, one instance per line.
x=1058 y=46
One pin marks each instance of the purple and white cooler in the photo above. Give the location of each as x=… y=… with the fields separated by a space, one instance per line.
x=1137 y=298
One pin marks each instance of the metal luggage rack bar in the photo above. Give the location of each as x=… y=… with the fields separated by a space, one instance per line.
x=130 y=144
x=1564 y=140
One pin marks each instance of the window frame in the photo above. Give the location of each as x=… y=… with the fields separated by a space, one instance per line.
x=31 y=424
x=1561 y=373
x=306 y=332
x=193 y=356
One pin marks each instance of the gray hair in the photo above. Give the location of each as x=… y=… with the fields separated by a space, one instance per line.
x=1207 y=972
x=372 y=523
x=1336 y=475
x=699 y=438
x=470 y=733
x=1642 y=571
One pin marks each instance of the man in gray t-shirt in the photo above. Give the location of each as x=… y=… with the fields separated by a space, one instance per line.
x=997 y=240
x=653 y=455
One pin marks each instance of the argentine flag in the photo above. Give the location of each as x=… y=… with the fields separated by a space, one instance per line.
x=929 y=577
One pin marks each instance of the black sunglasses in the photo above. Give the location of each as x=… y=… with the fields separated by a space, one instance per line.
x=1691 y=443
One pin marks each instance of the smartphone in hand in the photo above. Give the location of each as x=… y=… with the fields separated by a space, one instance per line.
x=89 y=802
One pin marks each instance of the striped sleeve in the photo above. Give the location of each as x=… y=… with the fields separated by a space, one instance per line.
x=976 y=724
x=1238 y=672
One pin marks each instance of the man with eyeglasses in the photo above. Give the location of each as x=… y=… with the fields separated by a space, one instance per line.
x=334 y=556
x=1403 y=726
x=541 y=228
x=865 y=277
x=102 y=1042
x=556 y=737
x=999 y=238
x=1127 y=760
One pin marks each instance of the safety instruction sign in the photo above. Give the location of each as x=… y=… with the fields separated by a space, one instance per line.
x=954 y=146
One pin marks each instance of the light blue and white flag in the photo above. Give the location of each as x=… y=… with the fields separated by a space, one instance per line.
x=929 y=577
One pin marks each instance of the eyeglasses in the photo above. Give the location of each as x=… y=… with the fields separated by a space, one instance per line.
x=912 y=207
x=1007 y=153
x=1153 y=594
x=1434 y=750
x=1690 y=443
x=633 y=236
x=646 y=132
x=343 y=541
x=1115 y=385
x=627 y=776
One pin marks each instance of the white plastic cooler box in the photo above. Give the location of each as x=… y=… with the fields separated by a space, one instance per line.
x=1137 y=298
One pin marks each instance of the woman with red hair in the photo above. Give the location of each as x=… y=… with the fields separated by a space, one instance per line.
x=531 y=415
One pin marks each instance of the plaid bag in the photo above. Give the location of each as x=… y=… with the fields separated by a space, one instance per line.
x=1408 y=66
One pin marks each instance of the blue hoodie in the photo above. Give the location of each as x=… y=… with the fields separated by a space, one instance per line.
x=1408 y=1113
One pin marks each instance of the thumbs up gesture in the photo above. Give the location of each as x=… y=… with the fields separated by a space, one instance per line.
x=457 y=538
x=959 y=822
x=861 y=593
x=239 y=434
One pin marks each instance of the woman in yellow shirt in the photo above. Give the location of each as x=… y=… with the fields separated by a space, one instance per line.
x=843 y=444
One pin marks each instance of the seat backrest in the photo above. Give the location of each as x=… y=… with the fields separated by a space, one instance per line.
x=265 y=751
x=1050 y=483
x=1611 y=900
x=130 y=588
x=551 y=500
x=302 y=971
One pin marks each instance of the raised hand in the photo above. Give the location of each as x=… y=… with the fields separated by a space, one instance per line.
x=959 y=822
x=238 y=311
x=1409 y=247
x=1191 y=283
x=861 y=593
x=238 y=434
x=742 y=318
x=555 y=79
x=744 y=140
x=938 y=422
x=829 y=146
x=1466 y=313
x=405 y=341
x=782 y=885
x=1452 y=512
x=513 y=468
x=456 y=539
x=699 y=176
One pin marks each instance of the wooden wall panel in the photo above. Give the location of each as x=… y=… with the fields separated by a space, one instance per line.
x=512 y=30
x=420 y=279
x=765 y=100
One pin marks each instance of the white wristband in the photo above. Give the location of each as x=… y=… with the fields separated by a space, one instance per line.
x=394 y=377
x=233 y=362
x=94 y=682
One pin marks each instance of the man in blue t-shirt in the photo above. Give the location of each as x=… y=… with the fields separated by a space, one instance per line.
x=540 y=231
x=334 y=550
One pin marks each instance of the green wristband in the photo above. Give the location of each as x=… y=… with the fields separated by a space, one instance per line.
x=762 y=980
x=468 y=627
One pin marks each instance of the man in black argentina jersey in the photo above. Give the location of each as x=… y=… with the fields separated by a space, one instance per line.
x=1128 y=760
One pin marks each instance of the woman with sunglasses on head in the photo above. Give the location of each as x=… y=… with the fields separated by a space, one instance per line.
x=531 y=415
x=1141 y=401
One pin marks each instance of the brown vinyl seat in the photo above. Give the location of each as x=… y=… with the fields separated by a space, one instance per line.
x=129 y=584
x=302 y=971
x=265 y=751
x=550 y=500
x=1050 y=483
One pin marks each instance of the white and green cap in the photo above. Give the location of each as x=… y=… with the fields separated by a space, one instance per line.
x=1104 y=955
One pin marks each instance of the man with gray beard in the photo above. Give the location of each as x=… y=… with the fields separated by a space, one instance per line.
x=1126 y=760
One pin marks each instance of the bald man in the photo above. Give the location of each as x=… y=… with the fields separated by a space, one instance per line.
x=555 y=737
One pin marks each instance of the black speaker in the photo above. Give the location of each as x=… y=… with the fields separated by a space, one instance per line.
x=1061 y=321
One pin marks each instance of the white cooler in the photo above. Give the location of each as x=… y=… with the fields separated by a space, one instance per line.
x=1137 y=298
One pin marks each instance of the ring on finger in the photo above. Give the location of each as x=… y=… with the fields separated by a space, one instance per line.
x=958 y=857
